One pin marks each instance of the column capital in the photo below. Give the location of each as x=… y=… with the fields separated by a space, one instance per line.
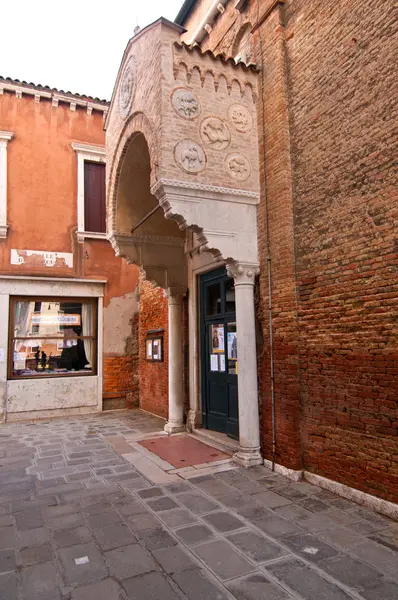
x=243 y=273
x=175 y=294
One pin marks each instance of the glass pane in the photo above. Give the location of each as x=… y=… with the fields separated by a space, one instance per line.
x=217 y=347
x=52 y=318
x=230 y=296
x=213 y=299
x=52 y=357
x=232 y=342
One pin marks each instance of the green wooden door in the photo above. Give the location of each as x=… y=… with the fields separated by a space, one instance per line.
x=219 y=353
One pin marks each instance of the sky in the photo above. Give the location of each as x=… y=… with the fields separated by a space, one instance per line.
x=75 y=46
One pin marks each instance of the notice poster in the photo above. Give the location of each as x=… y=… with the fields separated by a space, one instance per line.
x=214 y=362
x=19 y=365
x=156 y=350
x=149 y=349
x=232 y=345
x=217 y=338
x=222 y=362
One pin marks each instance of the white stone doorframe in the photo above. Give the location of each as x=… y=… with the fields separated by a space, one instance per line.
x=249 y=427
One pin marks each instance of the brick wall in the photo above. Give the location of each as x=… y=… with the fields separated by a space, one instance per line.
x=326 y=117
x=153 y=375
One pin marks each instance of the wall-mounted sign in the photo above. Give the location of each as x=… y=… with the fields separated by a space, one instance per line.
x=41 y=258
x=56 y=320
x=154 y=347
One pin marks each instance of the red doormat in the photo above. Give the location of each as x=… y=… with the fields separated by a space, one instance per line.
x=183 y=451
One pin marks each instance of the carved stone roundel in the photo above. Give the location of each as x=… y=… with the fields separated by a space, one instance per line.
x=127 y=88
x=241 y=118
x=189 y=156
x=237 y=166
x=185 y=103
x=215 y=133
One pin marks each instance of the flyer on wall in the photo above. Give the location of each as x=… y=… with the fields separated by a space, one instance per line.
x=217 y=338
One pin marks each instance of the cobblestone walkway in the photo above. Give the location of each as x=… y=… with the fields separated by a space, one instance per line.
x=81 y=518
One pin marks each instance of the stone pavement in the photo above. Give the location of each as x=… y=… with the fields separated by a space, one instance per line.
x=81 y=518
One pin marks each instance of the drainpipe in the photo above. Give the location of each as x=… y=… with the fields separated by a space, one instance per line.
x=205 y=25
x=269 y=274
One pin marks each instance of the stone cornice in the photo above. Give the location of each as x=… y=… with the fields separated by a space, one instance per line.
x=6 y=136
x=82 y=148
x=196 y=190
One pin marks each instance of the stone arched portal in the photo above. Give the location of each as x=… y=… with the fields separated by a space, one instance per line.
x=182 y=178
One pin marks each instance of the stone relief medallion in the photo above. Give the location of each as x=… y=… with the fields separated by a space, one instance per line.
x=237 y=166
x=127 y=88
x=189 y=156
x=185 y=103
x=215 y=133
x=241 y=118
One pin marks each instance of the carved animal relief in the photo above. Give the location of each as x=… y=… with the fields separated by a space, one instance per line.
x=215 y=133
x=190 y=156
x=241 y=118
x=237 y=166
x=126 y=90
x=185 y=104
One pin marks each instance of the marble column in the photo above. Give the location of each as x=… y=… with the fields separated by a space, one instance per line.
x=175 y=421
x=249 y=424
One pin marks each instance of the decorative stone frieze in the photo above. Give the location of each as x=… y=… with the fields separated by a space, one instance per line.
x=190 y=156
x=185 y=103
x=215 y=133
x=241 y=118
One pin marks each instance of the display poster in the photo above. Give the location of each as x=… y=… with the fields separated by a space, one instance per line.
x=232 y=345
x=217 y=338
x=222 y=362
x=214 y=362
x=156 y=352
x=2 y=355
x=19 y=365
x=19 y=356
x=149 y=349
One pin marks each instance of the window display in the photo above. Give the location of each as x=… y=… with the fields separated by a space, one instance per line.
x=52 y=336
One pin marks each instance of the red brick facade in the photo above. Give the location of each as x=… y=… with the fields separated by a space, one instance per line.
x=326 y=219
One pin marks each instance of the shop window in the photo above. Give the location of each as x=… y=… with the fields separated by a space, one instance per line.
x=94 y=197
x=52 y=337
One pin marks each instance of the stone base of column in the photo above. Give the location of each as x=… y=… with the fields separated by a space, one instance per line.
x=174 y=427
x=248 y=457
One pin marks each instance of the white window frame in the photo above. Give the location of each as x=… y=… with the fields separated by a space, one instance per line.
x=5 y=137
x=89 y=153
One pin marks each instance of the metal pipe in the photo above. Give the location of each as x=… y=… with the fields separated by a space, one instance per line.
x=269 y=272
x=147 y=216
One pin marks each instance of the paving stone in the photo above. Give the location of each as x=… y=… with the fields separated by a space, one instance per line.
x=85 y=573
x=7 y=537
x=221 y=558
x=81 y=476
x=382 y=590
x=197 y=503
x=313 y=504
x=96 y=508
x=32 y=537
x=178 y=487
x=104 y=518
x=31 y=519
x=305 y=581
x=177 y=517
x=386 y=537
x=107 y=589
x=271 y=500
x=308 y=520
x=150 y=492
x=223 y=521
x=136 y=484
x=238 y=500
x=66 y=521
x=372 y=517
x=196 y=585
x=310 y=547
x=154 y=539
x=341 y=537
x=36 y=554
x=8 y=586
x=146 y=587
x=39 y=582
x=254 y=512
x=363 y=527
x=143 y=522
x=164 y=503
x=349 y=571
x=59 y=510
x=6 y=521
x=174 y=559
x=255 y=546
x=114 y=536
x=129 y=561
x=276 y=526
x=194 y=534
x=256 y=587
x=375 y=555
x=7 y=560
